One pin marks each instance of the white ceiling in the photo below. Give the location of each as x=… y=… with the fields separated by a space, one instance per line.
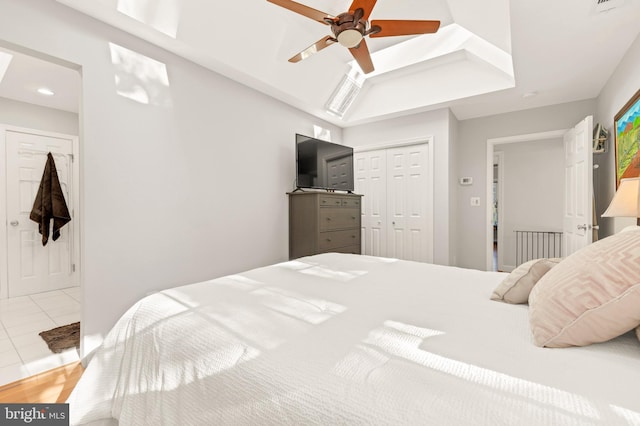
x=26 y=74
x=484 y=58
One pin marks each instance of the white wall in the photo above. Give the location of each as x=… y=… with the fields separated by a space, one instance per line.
x=533 y=191
x=32 y=116
x=471 y=148
x=436 y=124
x=170 y=194
x=623 y=84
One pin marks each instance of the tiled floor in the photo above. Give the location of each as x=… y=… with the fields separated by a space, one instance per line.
x=23 y=353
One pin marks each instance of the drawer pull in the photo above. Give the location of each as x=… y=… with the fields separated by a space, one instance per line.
x=329 y=219
x=337 y=201
x=329 y=239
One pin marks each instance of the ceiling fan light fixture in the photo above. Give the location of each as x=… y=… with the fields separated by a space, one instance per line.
x=350 y=38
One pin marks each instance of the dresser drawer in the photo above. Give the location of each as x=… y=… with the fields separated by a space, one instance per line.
x=351 y=202
x=330 y=201
x=339 y=218
x=333 y=239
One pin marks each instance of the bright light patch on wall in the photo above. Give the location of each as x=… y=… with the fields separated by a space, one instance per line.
x=139 y=77
x=5 y=60
x=162 y=15
x=320 y=132
x=346 y=92
x=45 y=91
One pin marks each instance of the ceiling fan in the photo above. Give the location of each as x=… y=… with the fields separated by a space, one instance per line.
x=350 y=28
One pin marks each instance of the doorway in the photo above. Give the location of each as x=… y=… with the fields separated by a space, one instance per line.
x=576 y=181
x=493 y=148
x=40 y=286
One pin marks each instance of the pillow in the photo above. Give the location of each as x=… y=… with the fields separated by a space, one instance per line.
x=518 y=284
x=630 y=228
x=591 y=296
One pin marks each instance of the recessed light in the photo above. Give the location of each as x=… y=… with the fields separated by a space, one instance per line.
x=45 y=91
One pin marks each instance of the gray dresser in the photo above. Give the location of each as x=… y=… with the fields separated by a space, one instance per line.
x=321 y=222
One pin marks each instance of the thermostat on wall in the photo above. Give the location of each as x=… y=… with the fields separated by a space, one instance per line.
x=466 y=180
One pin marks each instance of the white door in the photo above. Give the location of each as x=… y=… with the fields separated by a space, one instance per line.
x=408 y=202
x=370 y=181
x=397 y=207
x=33 y=268
x=578 y=194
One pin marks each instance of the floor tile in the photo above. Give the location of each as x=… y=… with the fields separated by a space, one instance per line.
x=14 y=301
x=56 y=302
x=74 y=292
x=67 y=319
x=13 y=372
x=23 y=318
x=5 y=343
x=47 y=295
x=26 y=340
x=19 y=309
x=34 y=351
x=63 y=310
x=8 y=357
x=36 y=327
x=23 y=352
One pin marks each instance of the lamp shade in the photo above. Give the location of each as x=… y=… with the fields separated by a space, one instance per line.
x=626 y=201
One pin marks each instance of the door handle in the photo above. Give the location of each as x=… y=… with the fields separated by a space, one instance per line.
x=582 y=227
x=14 y=223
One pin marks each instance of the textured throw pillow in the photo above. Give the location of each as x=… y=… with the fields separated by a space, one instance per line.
x=591 y=296
x=518 y=284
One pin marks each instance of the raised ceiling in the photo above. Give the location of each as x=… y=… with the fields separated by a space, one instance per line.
x=488 y=57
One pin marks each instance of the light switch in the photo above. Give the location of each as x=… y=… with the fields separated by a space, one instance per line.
x=475 y=201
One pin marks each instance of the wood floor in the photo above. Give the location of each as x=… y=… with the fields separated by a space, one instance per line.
x=48 y=387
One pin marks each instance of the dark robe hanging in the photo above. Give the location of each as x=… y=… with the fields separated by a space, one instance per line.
x=49 y=203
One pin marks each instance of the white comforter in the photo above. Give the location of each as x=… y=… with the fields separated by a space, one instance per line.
x=345 y=339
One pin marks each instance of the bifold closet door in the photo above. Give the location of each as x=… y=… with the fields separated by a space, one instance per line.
x=397 y=203
x=371 y=181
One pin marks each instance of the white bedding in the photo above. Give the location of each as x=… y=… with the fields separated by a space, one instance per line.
x=346 y=339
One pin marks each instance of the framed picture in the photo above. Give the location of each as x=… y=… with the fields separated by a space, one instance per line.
x=627 y=133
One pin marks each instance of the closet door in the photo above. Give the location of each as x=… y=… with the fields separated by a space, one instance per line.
x=371 y=180
x=397 y=213
x=408 y=202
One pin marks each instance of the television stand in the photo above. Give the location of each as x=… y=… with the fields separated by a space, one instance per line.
x=322 y=222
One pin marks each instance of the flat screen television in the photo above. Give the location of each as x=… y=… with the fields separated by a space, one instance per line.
x=323 y=165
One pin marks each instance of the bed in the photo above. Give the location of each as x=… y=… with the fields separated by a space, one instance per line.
x=348 y=339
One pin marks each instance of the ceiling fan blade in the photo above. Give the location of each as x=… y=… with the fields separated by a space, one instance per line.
x=362 y=56
x=366 y=5
x=316 y=47
x=399 y=28
x=307 y=11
